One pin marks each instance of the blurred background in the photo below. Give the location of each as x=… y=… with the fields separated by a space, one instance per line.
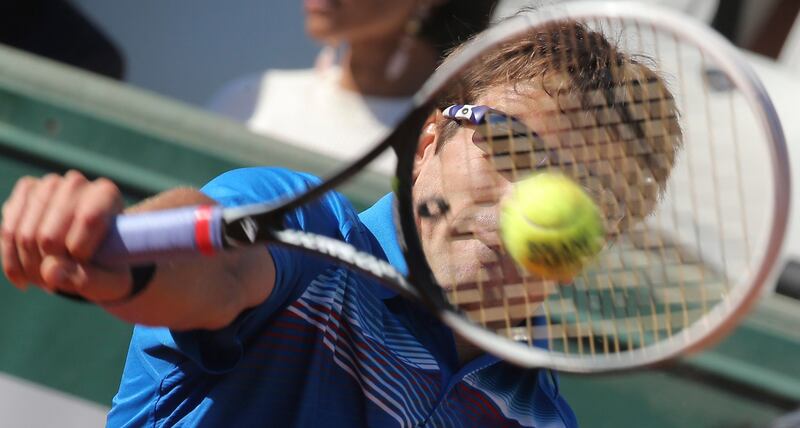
x=146 y=124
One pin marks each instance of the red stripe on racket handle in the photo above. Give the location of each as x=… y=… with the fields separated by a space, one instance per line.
x=202 y=229
x=147 y=237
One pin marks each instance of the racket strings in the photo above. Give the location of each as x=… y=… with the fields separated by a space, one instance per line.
x=570 y=130
x=645 y=129
x=715 y=177
x=646 y=276
x=617 y=103
x=694 y=203
x=497 y=300
x=631 y=131
x=657 y=255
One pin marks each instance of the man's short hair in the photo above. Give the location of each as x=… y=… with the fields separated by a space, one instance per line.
x=606 y=99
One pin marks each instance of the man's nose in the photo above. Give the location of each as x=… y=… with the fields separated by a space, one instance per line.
x=504 y=187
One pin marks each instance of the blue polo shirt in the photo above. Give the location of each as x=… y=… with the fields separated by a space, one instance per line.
x=327 y=348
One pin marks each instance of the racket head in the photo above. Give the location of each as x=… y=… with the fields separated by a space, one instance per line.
x=686 y=254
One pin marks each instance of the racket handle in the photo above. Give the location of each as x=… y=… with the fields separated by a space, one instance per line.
x=147 y=237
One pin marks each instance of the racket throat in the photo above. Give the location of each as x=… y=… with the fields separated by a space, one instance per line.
x=250 y=229
x=347 y=255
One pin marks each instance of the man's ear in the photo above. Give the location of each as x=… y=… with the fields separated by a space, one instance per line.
x=426 y=145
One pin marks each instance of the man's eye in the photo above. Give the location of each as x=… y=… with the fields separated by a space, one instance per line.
x=433 y=208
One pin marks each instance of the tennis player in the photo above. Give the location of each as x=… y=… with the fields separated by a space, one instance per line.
x=273 y=337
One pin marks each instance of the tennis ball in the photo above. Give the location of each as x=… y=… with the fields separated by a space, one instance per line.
x=550 y=226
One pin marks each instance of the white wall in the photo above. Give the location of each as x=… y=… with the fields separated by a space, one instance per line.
x=188 y=48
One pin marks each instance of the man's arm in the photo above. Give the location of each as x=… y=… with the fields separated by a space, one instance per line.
x=52 y=227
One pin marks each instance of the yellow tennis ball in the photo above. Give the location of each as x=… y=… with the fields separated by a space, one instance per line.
x=550 y=226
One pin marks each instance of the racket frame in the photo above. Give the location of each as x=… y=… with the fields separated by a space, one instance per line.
x=723 y=317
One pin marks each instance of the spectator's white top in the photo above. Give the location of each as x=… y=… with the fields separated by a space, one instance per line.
x=309 y=109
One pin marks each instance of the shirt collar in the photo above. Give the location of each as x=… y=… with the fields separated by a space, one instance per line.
x=379 y=220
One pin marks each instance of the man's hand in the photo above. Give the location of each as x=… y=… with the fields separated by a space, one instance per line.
x=52 y=227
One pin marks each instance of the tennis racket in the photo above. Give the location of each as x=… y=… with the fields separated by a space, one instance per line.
x=655 y=116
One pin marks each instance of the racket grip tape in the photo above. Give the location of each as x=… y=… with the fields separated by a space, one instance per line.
x=147 y=237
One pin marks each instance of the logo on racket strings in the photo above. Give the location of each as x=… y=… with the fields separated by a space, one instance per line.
x=556 y=254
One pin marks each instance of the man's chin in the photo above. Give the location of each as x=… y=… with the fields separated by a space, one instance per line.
x=475 y=275
x=466 y=274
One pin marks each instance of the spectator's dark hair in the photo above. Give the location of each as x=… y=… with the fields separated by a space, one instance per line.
x=455 y=22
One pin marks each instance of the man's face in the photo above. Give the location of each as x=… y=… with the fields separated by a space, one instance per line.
x=463 y=246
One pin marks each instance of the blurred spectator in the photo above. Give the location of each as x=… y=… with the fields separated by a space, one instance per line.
x=57 y=30
x=773 y=32
x=378 y=53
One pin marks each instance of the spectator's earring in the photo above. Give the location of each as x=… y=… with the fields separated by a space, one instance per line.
x=399 y=60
